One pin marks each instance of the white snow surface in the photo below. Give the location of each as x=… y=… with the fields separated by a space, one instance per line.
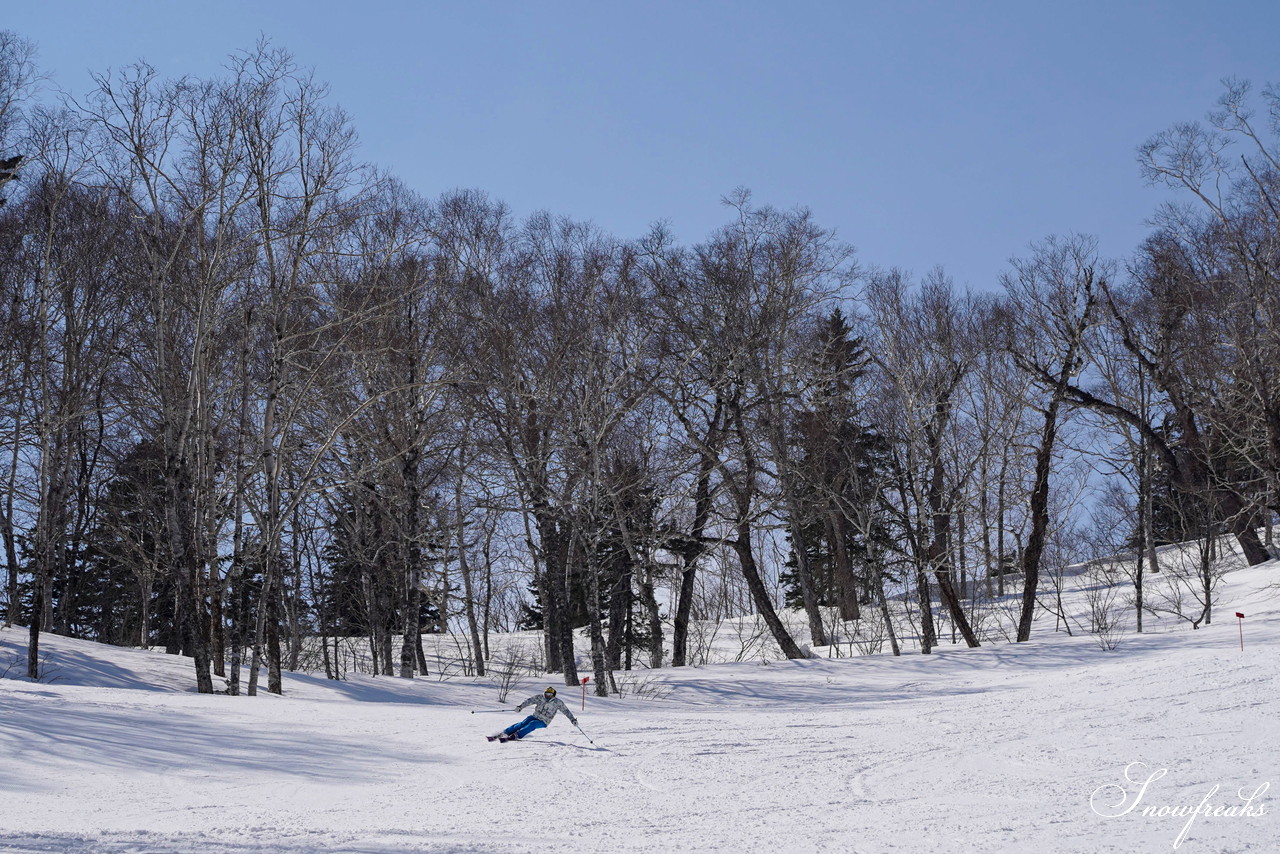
x=1007 y=748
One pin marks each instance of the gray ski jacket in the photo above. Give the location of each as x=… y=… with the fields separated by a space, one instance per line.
x=544 y=709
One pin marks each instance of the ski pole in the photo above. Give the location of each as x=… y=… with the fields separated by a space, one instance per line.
x=584 y=735
x=490 y=711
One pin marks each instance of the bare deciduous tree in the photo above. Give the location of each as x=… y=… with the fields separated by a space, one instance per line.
x=1052 y=303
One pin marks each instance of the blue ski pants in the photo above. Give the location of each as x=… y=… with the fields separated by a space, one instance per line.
x=525 y=727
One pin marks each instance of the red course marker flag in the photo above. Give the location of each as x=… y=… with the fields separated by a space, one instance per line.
x=585 y=680
x=1241 y=616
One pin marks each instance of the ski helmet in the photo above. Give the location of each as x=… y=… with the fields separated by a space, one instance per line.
x=550 y=692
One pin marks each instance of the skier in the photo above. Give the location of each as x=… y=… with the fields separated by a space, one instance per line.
x=545 y=708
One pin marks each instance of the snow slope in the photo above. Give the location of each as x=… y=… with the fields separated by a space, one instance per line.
x=1006 y=748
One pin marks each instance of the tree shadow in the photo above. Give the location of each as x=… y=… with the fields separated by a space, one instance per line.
x=150 y=739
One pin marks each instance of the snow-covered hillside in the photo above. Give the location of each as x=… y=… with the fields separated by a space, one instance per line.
x=1006 y=748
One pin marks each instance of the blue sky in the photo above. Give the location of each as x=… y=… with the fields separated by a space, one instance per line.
x=925 y=133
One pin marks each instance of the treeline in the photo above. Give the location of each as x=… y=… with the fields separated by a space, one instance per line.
x=257 y=395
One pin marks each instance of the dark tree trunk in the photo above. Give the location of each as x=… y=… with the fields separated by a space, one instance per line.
x=413 y=567
x=10 y=537
x=692 y=548
x=759 y=594
x=654 y=619
x=743 y=485
x=192 y=616
x=555 y=604
x=955 y=607
x=846 y=583
x=275 y=595
x=928 y=632
x=619 y=625
x=33 y=634
x=684 y=609
x=554 y=592
x=940 y=552
x=1038 y=510
x=599 y=665
x=804 y=574
x=218 y=640
x=559 y=603
x=239 y=619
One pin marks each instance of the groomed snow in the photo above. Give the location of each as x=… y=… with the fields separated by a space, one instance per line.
x=1007 y=748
